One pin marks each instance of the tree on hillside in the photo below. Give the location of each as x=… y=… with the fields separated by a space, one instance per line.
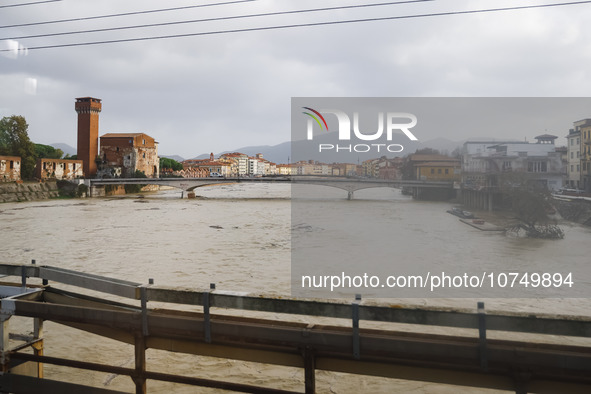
x=47 y=152
x=14 y=141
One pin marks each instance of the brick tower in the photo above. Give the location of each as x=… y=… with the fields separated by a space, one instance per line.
x=88 y=110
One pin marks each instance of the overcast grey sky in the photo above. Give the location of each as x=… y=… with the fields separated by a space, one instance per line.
x=224 y=91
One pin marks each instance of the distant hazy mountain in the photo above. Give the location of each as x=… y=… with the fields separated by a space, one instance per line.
x=67 y=149
x=443 y=145
x=281 y=153
x=173 y=157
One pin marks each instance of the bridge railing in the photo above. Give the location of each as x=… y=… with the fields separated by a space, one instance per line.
x=275 y=178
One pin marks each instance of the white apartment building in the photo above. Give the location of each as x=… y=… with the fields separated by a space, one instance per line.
x=239 y=162
x=573 y=168
x=486 y=164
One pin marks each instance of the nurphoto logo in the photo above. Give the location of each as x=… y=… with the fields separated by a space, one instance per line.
x=394 y=122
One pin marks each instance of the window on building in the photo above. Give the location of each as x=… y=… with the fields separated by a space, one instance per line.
x=143 y=142
x=144 y=155
x=439 y=170
x=572 y=155
x=578 y=167
x=578 y=141
x=537 y=166
x=432 y=171
x=11 y=164
x=117 y=149
x=447 y=170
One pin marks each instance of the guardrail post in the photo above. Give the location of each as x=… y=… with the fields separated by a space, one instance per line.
x=4 y=343
x=207 y=315
x=521 y=382
x=309 y=371
x=140 y=343
x=140 y=364
x=482 y=335
x=38 y=346
x=355 y=312
x=144 y=304
x=23 y=276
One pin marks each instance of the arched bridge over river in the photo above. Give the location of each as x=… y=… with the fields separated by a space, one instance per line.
x=349 y=184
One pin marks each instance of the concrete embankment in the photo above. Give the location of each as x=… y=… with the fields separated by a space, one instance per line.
x=575 y=210
x=15 y=192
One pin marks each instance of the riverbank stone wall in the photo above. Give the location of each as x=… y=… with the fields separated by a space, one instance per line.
x=578 y=211
x=15 y=192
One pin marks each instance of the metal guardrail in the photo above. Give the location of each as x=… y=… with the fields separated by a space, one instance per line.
x=453 y=359
x=548 y=324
